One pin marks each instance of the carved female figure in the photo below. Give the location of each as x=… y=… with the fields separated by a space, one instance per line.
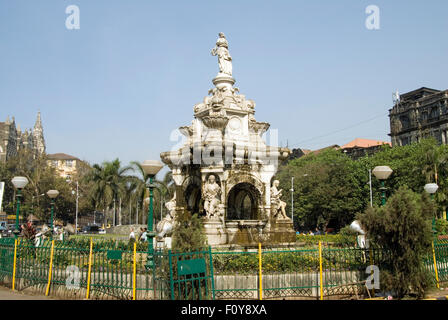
x=211 y=194
x=224 y=58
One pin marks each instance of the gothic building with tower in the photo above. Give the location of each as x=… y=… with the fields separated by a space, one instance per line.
x=419 y=114
x=13 y=139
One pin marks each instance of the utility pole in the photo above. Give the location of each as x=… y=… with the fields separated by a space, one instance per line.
x=292 y=201
x=371 y=192
x=76 y=211
x=119 y=214
x=114 y=213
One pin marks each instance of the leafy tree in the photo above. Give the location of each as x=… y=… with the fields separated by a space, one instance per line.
x=328 y=190
x=41 y=178
x=413 y=166
x=188 y=233
x=403 y=229
x=164 y=188
x=109 y=180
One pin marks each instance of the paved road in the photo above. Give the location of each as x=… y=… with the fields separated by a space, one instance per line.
x=8 y=294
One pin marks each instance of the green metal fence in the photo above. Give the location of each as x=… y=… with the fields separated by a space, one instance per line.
x=441 y=256
x=119 y=272
x=184 y=276
x=6 y=260
x=111 y=271
x=293 y=273
x=235 y=274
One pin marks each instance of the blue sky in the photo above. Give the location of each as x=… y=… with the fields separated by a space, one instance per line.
x=132 y=73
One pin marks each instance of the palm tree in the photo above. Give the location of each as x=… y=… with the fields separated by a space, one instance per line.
x=165 y=186
x=109 y=180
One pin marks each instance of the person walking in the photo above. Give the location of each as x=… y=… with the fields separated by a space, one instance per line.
x=144 y=235
x=131 y=238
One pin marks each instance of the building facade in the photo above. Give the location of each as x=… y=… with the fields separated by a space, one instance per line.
x=66 y=165
x=359 y=147
x=12 y=139
x=418 y=114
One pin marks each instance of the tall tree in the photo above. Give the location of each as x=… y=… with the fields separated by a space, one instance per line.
x=327 y=191
x=402 y=228
x=164 y=187
x=109 y=181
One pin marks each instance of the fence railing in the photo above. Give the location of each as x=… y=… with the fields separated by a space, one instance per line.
x=293 y=273
x=118 y=270
x=108 y=270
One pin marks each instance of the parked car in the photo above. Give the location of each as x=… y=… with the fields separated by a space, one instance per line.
x=91 y=229
x=3 y=228
x=9 y=231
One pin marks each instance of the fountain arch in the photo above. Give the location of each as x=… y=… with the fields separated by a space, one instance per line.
x=243 y=202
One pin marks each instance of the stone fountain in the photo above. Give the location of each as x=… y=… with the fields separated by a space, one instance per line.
x=224 y=170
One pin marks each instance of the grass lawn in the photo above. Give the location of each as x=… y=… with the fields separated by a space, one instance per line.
x=106 y=236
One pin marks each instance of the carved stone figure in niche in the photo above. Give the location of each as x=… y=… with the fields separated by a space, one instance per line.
x=211 y=193
x=278 y=206
x=165 y=226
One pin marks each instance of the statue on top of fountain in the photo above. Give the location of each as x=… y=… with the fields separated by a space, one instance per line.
x=224 y=58
x=278 y=207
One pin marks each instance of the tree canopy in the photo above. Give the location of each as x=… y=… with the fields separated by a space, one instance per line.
x=330 y=188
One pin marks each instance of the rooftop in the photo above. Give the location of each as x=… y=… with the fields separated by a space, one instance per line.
x=61 y=156
x=418 y=93
x=364 y=143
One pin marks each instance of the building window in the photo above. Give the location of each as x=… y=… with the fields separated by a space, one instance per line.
x=438 y=136
x=405 y=122
x=405 y=141
x=434 y=113
x=54 y=163
x=69 y=163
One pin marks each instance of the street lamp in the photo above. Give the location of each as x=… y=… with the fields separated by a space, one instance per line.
x=151 y=168
x=382 y=173
x=19 y=183
x=52 y=194
x=431 y=188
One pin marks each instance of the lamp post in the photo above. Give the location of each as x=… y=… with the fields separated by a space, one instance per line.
x=151 y=168
x=32 y=201
x=382 y=173
x=77 y=201
x=19 y=183
x=292 y=201
x=52 y=194
x=431 y=188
